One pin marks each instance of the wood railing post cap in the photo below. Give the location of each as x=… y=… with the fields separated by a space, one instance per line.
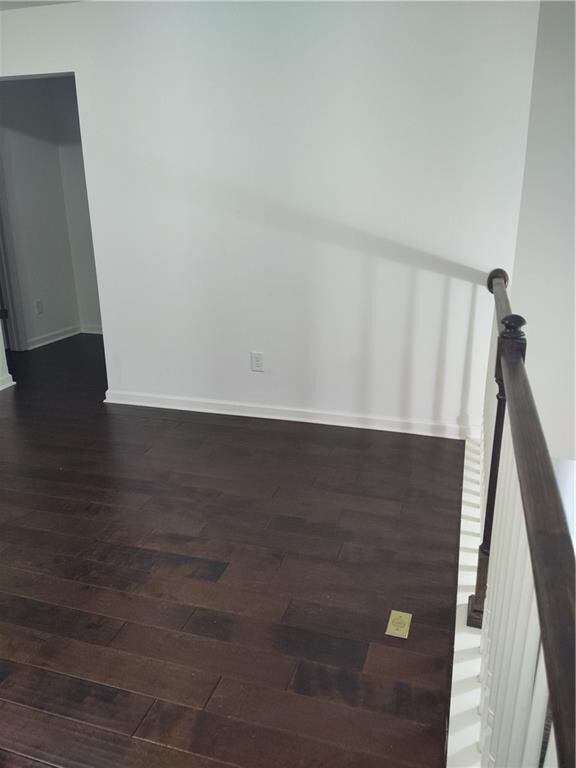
x=513 y=325
x=497 y=274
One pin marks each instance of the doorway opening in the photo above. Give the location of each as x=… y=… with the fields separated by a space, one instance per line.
x=49 y=304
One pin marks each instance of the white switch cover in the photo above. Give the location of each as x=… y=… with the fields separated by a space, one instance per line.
x=257 y=362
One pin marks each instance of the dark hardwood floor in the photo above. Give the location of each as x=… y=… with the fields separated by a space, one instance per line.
x=186 y=590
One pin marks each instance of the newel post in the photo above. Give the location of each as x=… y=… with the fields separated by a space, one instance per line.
x=510 y=331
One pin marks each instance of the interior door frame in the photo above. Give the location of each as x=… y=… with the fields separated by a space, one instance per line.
x=8 y=275
x=14 y=340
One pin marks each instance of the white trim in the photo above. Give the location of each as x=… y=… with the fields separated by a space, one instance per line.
x=6 y=381
x=38 y=75
x=282 y=413
x=464 y=722
x=91 y=329
x=48 y=338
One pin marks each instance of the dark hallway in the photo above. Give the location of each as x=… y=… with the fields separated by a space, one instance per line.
x=179 y=586
x=72 y=370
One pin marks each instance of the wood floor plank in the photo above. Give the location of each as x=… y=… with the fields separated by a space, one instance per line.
x=249 y=745
x=357 y=576
x=349 y=499
x=69 y=744
x=188 y=523
x=10 y=760
x=285 y=639
x=56 y=620
x=110 y=666
x=124 y=606
x=72 y=491
x=266 y=667
x=148 y=559
x=87 y=702
x=409 y=666
x=58 y=741
x=141 y=753
x=309 y=511
x=18 y=643
x=301 y=587
x=218 y=596
x=9 y=514
x=140 y=486
x=305 y=527
x=199 y=499
x=424 y=637
x=114 y=523
x=6 y=669
x=289 y=542
x=81 y=525
x=258 y=486
x=243 y=557
x=59 y=543
x=374 y=553
x=120 y=524
x=394 y=697
x=216 y=549
x=351 y=729
x=77 y=569
x=84 y=459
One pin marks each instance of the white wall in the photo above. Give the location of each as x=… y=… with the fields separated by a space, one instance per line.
x=250 y=168
x=45 y=212
x=543 y=287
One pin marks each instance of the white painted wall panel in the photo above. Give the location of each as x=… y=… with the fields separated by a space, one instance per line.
x=250 y=169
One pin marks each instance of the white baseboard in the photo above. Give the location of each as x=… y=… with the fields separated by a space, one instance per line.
x=362 y=421
x=49 y=338
x=91 y=329
x=6 y=381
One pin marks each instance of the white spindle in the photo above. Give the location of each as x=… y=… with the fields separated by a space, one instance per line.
x=528 y=659
x=551 y=759
x=536 y=715
x=514 y=694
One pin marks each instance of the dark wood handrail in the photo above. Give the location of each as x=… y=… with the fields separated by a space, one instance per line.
x=551 y=549
x=497 y=284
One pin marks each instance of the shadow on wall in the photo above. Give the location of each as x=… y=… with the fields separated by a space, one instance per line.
x=287 y=218
x=279 y=215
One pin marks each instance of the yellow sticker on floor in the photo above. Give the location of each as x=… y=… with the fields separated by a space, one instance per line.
x=399 y=624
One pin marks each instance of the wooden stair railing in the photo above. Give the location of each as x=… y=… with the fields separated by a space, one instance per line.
x=550 y=544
